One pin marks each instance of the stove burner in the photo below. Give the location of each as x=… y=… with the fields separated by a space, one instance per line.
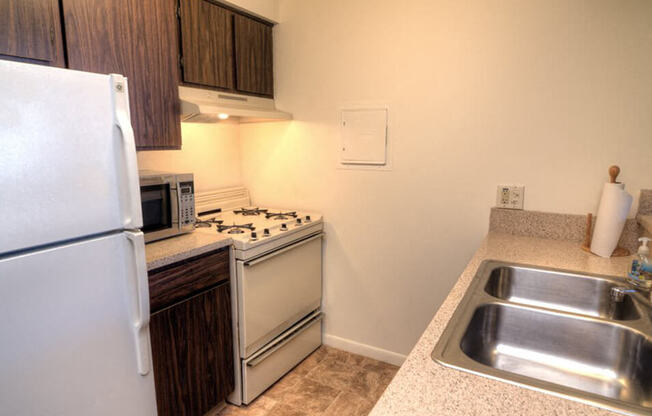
x=235 y=228
x=206 y=223
x=280 y=215
x=250 y=211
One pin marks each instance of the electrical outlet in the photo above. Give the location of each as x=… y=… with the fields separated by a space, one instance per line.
x=510 y=196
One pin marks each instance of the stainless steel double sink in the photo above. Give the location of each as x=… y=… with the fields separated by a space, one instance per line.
x=554 y=331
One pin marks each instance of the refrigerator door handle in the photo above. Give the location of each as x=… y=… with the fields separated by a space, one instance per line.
x=141 y=296
x=122 y=119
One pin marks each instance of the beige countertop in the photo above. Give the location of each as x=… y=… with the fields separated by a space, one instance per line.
x=174 y=249
x=423 y=387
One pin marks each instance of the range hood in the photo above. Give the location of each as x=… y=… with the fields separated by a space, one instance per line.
x=207 y=106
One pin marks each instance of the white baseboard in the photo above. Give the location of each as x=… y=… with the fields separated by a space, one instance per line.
x=363 y=349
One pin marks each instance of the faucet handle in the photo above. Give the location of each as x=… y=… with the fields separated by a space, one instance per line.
x=644 y=285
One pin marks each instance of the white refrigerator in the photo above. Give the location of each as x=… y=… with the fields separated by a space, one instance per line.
x=74 y=299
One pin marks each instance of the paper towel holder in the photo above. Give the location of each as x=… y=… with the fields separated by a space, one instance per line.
x=614 y=171
x=586 y=245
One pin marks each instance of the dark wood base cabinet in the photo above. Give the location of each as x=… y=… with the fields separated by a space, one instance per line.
x=192 y=340
x=193 y=355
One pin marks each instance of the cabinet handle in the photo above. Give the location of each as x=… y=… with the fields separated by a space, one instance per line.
x=141 y=286
x=121 y=118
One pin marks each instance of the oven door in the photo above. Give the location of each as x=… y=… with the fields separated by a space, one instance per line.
x=159 y=202
x=276 y=290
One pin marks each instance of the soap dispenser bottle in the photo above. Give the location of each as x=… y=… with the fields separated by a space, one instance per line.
x=641 y=271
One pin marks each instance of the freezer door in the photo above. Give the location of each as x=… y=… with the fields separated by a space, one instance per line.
x=68 y=161
x=74 y=324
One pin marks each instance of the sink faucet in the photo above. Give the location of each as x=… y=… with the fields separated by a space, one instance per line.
x=641 y=293
x=639 y=278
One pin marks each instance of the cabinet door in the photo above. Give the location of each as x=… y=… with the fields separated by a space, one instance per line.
x=138 y=40
x=206 y=44
x=192 y=352
x=30 y=31
x=253 y=56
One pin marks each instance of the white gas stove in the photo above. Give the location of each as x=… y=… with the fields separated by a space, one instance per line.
x=276 y=285
x=256 y=231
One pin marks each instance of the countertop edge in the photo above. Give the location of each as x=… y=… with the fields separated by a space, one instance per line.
x=175 y=249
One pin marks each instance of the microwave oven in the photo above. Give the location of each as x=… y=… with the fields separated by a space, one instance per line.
x=168 y=204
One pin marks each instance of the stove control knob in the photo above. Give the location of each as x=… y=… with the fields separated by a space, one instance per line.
x=298 y=221
x=308 y=218
x=266 y=232
x=254 y=236
x=284 y=227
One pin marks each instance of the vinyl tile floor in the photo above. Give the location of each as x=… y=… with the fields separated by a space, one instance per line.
x=329 y=382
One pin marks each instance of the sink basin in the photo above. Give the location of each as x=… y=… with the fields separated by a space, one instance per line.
x=584 y=355
x=555 y=331
x=564 y=291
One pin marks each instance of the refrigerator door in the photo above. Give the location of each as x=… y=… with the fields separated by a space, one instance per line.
x=74 y=324
x=68 y=160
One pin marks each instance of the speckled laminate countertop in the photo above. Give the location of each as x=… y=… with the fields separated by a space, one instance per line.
x=423 y=387
x=174 y=249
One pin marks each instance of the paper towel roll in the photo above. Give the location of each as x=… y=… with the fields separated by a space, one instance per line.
x=612 y=213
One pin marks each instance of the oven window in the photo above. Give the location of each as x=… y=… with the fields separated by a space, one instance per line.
x=155 y=201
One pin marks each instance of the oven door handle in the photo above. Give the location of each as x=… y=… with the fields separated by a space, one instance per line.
x=281 y=251
x=280 y=345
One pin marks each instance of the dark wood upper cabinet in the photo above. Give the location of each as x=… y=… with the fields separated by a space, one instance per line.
x=30 y=31
x=253 y=56
x=206 y=43
x=224 y=49
x=221 y=48
x=137 y=39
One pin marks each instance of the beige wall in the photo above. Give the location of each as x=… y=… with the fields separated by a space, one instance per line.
x=267 y=9
x=210 y=151
x=545 y=93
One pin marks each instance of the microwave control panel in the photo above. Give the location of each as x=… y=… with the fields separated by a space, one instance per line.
x=186 y=203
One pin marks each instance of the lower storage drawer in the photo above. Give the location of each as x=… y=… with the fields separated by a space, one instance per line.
x=269 y=364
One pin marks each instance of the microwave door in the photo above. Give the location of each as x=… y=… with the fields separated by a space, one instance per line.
x=155 y=200
x=160 y=210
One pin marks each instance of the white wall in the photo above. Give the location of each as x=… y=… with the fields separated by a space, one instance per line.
x=546 y=93
x=210 y=151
